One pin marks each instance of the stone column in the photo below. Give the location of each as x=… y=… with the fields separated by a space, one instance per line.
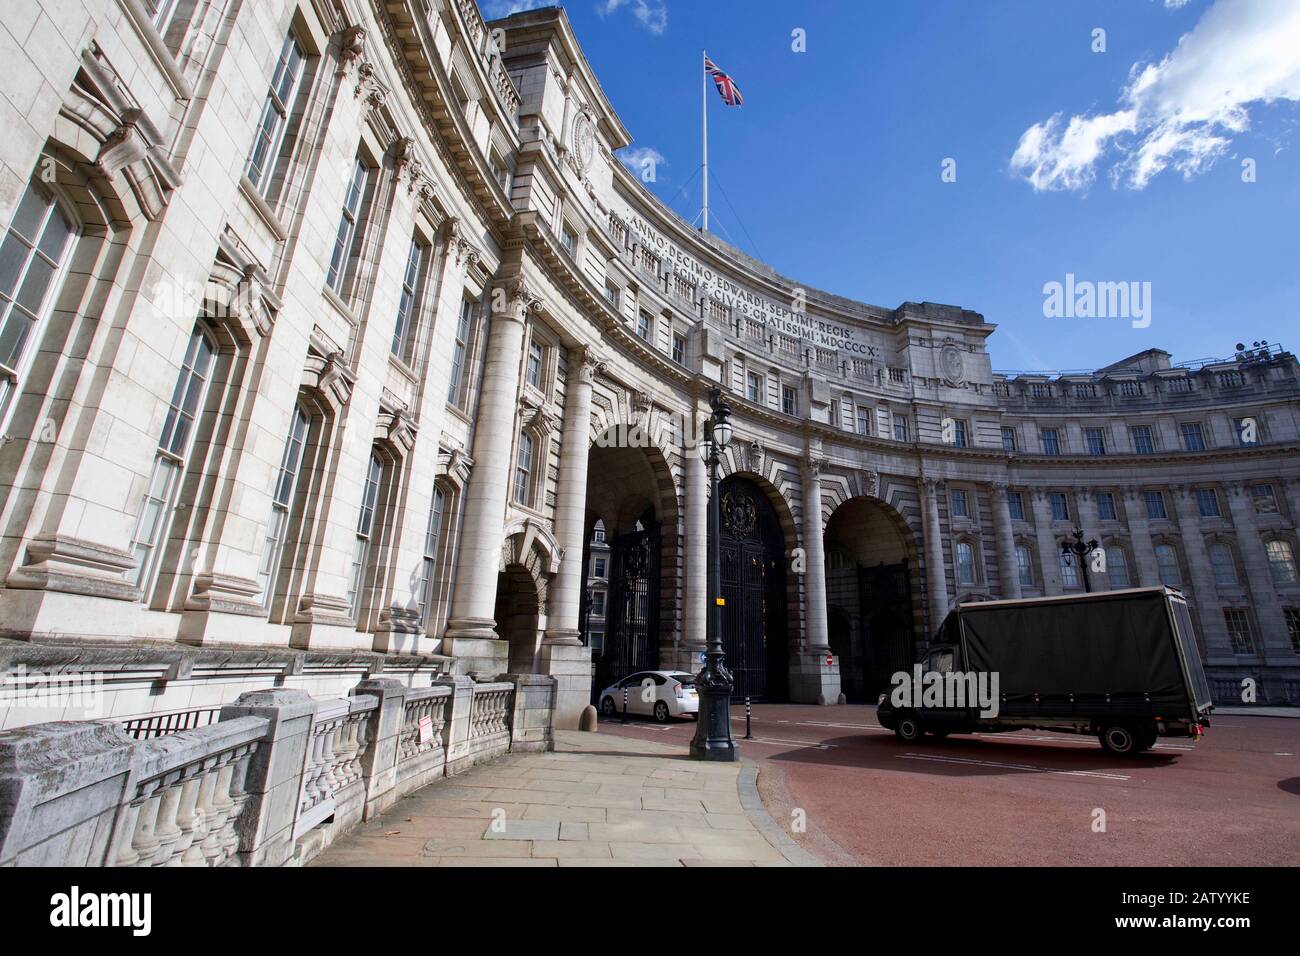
x=562 y=654
x=814 y=674
x=1049 y=551
x=695 y=612
x=1272 y=641
x=1147 y=572
x=1005 y=540
x=1204 y=592
x=470 y=633
x=936 y=575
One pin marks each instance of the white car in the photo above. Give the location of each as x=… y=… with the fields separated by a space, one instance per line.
x=658 y=694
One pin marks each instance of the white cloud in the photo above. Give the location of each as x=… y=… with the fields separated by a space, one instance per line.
x=642 y=158
x=1176 y=4
x=651 y=14
x=1180 y=112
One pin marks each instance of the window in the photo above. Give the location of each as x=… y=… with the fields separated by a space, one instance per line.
x=1207 y=502
x=459 y=352
x=599 y=566
x=864 y=420
x=900 y=428
x=347 y=241
x=1143 y=443
x=612 y=294
x=365 y=531
x=412 y=287
x=1292 y=615
x=429 y=561
x=643 y=323
x=269 y=142
x=174 y=447
x=1281 y=561
x=789 y=403
x=569 y=239
x=679 y=348
x=1223 y=564
x=965 y=563
x=32 y=263
x=281 y=501
x=533 y=370
x=753 y=386
x=162 y=13
x=1155 y=501
x=1009 y=440
x=598 y=603
x=1051 y=441
x=1193 y=438
x=1117 y=567
x=524 y=470
x=1024 y=566
x=1167 y=563
x=1060 y=506
x=1095 y=438
x=1264 y=499
x=960 y=506
x=1106 y=506
x=1069 y=571
x=1239 y=630
x=958 y=433
x=1016 y=505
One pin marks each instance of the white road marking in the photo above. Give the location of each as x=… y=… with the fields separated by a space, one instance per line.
x=787 y=743
x=1015 y=766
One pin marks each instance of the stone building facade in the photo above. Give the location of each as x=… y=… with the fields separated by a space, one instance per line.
x=338 y=326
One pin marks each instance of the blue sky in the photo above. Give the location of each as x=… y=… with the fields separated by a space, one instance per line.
x=1117 y=166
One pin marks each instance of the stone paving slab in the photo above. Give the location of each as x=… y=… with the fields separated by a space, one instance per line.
x=595 y=801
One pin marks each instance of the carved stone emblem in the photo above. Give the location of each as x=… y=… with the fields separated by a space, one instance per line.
x=954 y=371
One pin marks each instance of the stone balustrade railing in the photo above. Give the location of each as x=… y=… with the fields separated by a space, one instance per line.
x=275 y=780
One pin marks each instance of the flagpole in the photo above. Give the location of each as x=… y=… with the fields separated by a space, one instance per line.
x=704 y=113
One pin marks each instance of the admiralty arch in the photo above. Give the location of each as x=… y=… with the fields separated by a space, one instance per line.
x=335 y=340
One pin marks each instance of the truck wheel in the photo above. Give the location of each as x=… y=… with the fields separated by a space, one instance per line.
x=908 y=728
x=1119 y=739
x=1147 y=735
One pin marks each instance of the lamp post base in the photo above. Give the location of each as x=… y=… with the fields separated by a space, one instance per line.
x=713 y=730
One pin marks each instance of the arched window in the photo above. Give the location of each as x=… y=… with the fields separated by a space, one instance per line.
x=1117 y=567
x=286 y=480
x=524 y=466
x=174 y=446
x=1025 y=565
x=432 y=546
x=1281 y=561
x=1069 y=571
x=365 y=531
x=1167 y=563
x=1224 y=565
x=965 y=561
x=33 y=262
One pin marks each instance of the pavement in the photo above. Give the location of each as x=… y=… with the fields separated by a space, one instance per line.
x=597 y=800
x=852 y=794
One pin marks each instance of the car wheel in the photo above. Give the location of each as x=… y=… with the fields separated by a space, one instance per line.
x=607 y=707
x=661 y=712
x=908 y=728
x=1119 y=739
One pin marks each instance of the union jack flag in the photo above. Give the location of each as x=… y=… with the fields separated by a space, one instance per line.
x=726 y=85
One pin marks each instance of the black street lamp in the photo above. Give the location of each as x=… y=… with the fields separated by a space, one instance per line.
x=713 y=727
x=1079 y=549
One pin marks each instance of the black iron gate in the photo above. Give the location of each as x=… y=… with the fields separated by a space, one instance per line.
x=632 y=613
x=885 y=609
x=753 y=586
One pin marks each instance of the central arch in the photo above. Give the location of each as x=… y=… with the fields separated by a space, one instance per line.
x=753 y=583
x=870 y=567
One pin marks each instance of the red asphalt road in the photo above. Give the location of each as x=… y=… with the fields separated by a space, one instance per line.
x=1023 y=799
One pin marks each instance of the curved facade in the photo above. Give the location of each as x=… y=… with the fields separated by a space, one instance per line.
x=338 y=326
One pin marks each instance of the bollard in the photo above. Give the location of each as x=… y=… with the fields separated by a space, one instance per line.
x=625 y=705
x=749 y=735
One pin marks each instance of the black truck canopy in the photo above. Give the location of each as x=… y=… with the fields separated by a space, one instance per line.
x=1121 y=644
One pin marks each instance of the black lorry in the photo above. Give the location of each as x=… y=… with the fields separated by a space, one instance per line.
x=1122 y=665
